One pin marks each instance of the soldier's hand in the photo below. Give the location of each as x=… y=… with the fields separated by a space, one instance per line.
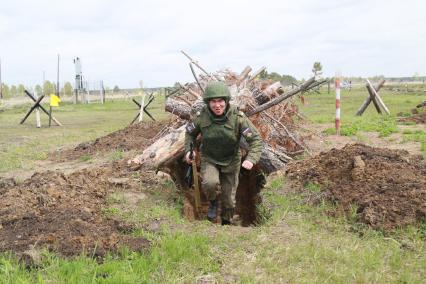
x=247 y=165
x=187 y=157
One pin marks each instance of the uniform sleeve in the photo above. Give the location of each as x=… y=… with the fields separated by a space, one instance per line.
x=192 y=130
x=251 y=134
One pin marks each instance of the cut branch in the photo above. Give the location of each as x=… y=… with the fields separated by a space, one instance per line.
x=279 y=99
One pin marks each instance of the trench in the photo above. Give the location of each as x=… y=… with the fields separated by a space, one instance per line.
x=247 y=196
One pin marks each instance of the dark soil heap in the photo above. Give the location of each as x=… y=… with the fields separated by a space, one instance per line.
x=64 y=213
x=419 y=114
x=134 y=137
x=388 y=187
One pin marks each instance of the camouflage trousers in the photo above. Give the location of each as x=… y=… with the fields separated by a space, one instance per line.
x=214 y=180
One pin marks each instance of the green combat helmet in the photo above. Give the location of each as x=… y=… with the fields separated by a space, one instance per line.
x=216 y=90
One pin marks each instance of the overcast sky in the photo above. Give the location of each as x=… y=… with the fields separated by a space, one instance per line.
x=125 y=41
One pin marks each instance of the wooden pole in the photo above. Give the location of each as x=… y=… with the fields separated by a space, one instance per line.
x=142 y=106
x=279 y=99
x=36 y=104
x=57 y=80
x=50 y=116
x=42 y=108
x=337 y=120
x=371 y=98
x=257 y=73
x=379 y=99
x=103 y=92
x=37 y=112
x=195 y=63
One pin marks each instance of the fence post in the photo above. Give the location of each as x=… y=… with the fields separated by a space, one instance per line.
x=337 y=86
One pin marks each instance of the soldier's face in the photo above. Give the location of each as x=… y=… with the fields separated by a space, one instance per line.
x=217 y=106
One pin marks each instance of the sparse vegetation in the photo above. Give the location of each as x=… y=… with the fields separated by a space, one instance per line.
x=294 y=242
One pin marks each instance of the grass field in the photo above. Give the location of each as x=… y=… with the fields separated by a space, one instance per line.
x=297 y=243
x=22 y=145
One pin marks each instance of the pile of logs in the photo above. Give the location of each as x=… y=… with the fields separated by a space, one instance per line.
x=267 y=104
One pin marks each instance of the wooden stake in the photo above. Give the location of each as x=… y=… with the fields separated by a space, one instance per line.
x=279 y=99
x=142 y=106
x=50 y=116
x=379 y=99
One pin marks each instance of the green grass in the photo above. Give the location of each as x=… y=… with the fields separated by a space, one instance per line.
x=302 y=244
x=299 y=243
x=385 y=126
x=22 y=145
x=320 y=108
x=296 y=242
x=174 y=258
x=416 y=136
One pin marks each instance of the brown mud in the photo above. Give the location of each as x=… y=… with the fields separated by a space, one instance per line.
x=419 y=114
x=387 y=188
x=66 y=213
x=134 y=137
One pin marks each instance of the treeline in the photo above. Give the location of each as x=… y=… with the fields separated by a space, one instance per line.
x=285 y=80
x=47 y=89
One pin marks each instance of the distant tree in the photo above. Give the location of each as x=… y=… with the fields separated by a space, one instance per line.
x=317 y=68
x=274 y=76
x=263 y=75
x=13 y=90
x=6 y=90
x=116 y=89
x=21 y=89
x=287 y=80
x=67 y=89
x=416 y=76
x=48 y=88
x=38 y=90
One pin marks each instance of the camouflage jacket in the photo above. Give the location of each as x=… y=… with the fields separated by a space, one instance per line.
x=220 y=141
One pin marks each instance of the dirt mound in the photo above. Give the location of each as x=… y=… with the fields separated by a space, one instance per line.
x=66 y=213
x=386 y=187
x=419 y=114
x=136 y=136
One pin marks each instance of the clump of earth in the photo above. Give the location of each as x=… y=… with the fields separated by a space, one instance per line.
x=386 y=187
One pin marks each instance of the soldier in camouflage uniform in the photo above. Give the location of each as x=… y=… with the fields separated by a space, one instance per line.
x=221 y=127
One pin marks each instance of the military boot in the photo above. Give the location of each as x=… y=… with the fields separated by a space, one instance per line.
x=227 y=216
x=211 y=213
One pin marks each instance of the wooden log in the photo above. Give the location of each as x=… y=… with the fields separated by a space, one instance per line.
x=38 y=121
x=178 y=108
x=42 y=108
x=164 y=152
x=270 y=160
x=142 y=108
x=244 y=74
x=36 y=104
x=190 y=91
x=270 y=92
x=37 y=113
x=284 y=96
x=316 y=84
x=379 y=99
x=371 y=98
x=257 y=73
